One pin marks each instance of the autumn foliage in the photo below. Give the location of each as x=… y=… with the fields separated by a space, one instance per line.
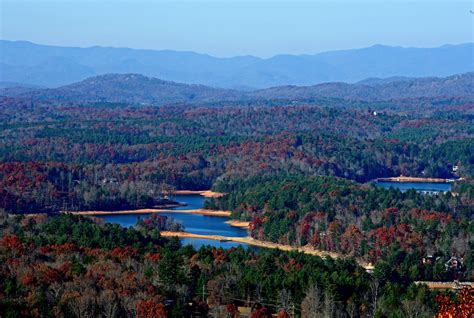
x=149 y=309
x=461 y=307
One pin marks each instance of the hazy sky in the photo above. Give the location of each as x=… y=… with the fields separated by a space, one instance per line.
x=226 y=28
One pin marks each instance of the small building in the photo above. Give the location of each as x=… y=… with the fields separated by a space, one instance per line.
x=109 y=181
x=428 y=259
x=454 y=264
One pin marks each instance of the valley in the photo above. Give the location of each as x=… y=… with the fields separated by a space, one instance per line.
x=236 y=159
x=272 y=191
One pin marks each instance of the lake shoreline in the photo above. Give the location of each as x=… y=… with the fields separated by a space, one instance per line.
x=237 y=223
x=169 y=208
x=204 y=193
x=403 y=179
x=140 y=211
x=250 y=241
x=264 y=244
x=192 y=210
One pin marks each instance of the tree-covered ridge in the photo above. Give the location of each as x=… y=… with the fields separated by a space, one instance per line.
x=34 y=187
x=58 y=267
x=359 y=220
x=57 y=155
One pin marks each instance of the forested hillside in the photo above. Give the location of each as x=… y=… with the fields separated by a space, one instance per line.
x=142 y=90
x=363 y=221
x=99 y=156
x=457 y=85
x=299 y=171
x=128 y=88
x=70 y=266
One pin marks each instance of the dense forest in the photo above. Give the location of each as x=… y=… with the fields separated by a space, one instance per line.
x=66 y=156
x=71 y=266
x=367 y=222
x=300 y=171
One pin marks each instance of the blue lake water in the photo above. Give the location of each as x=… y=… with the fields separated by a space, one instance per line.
x=193 y=223
x=197 y=243
x=192 y=201
x=418 y=186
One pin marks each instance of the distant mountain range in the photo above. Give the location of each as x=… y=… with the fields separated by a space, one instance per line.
x=140 y=89
x=378 y=89
x=53 y=66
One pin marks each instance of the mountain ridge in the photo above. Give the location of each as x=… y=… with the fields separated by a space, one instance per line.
x=54 y=66
x=141 y=89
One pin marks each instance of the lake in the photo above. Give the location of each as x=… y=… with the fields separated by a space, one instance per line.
x=418 y=186
x=193 y=223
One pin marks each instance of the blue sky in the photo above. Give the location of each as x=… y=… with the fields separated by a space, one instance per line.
x=227 y=28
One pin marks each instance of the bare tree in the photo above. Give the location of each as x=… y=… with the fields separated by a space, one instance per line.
x=329 y=307
x=55 y=291
x=84 y=305
x=108 y=302
x=374 y=294
x=415 y=309
x=351 y=308
x=285 y=299
x=258 y=292
x=311 y=306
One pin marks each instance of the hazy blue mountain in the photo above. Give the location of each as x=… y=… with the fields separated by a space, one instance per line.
x=140 y=89
x=127 y=88
x=376 y=90
x=373 y=81
x=16 y=84
x=53 y=66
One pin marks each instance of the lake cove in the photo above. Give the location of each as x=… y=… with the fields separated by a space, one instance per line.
x=193 y=223
x=424 y=187
x=217 y=231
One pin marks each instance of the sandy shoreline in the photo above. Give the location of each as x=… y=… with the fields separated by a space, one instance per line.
x=251 y=241
x=204 y=193
x=138 y=211
x=445 y=285
x=265 y=244
x=167 y=208
x=237 y=223
x=412 y=179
